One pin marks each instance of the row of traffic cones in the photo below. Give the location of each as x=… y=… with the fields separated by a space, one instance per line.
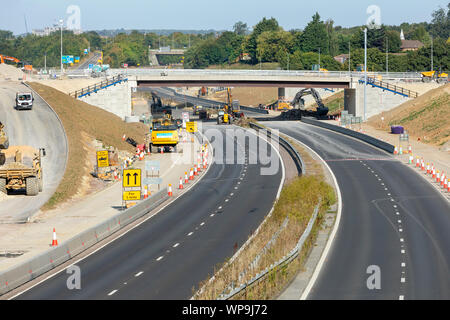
x=399 y=150
x=429 y=169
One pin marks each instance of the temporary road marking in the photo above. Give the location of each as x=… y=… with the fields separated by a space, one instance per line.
x=403 y=264
x=401 y=240
x=401 y=230
x=211 y=215
x=112 y=292
x=220 y=207
x=138 y=274
x=226 y=200
x=231 y=194
x=401 y=298
x=202 y=223
x=402 y=251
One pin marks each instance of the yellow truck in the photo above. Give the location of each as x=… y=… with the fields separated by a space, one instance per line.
x=429 y=76
x=164 y=136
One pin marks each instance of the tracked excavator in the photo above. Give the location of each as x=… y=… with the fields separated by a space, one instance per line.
x=299 y=109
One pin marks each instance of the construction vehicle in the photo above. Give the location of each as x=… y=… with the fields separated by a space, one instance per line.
x=429 y=76
x=4 y=58
x=24 y=101
x=197 y=110
x=203 y=115
x=164 y=135
x=4 y=141
x=299 y=109
x=21 y=168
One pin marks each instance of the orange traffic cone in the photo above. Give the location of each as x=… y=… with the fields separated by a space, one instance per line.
x=181 y=183
x=395 y=150
x=162 y=150
x=417 y=162
x=170 y=190
x=409 y=149
x=438 y=176
x=123 y=138
x=442 y=178
x=55 y=241
x=145 y=192
x=191 y=175
x=186 y=179
x=195 y=170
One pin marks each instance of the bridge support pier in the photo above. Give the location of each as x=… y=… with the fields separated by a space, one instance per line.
x=281 y=93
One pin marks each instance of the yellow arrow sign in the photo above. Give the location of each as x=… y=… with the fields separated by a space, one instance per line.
x=131 y=178
x=102 y=159
x=131 y=195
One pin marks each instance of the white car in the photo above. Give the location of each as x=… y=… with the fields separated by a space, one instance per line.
x=24 y=101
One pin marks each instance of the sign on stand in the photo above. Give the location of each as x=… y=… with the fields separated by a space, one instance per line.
x=152 y=169
x=131 y=185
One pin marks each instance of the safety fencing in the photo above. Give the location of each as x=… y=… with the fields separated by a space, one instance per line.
x=288 y=258
x=289 y=148
x=98 y=86
x=34 y=267
x=390 y=87
x=358 y=135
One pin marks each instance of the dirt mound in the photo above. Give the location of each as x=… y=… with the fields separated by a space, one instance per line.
x=8 y=72
x=248 y=96
x=426 y=118
x=80 y=120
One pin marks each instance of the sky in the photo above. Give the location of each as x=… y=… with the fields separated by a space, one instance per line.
x=208 y=14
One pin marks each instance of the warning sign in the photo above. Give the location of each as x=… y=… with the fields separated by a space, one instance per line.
x=191 y=126
x=131 y=178
x=102 y=159
x=131 y=195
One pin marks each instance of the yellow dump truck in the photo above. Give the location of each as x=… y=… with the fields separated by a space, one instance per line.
x=429 y=76
x=21 y=168
x=164 y=135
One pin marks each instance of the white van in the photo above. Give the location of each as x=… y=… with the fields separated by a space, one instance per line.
x=24 y=101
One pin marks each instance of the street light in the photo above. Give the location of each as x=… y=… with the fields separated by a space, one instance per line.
x=61 y=24
x=365 y=73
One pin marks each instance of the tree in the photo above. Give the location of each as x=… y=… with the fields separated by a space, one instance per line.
x=262 y=26
x=240 y=28
x=315 y=36
x=441 y=23
x=270 y=43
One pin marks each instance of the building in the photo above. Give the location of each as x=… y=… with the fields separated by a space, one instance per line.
x=411 y=45
x=48 y=30
x=341 y=58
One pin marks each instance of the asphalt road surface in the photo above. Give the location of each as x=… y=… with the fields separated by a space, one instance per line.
x=38 y=128
x=393 y=221
x=168 y=255
x=92 y=60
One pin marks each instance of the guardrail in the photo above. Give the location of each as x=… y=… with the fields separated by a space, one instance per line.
x=390 y=87
x=98 y=86
x=280 y=263
x=31 y=269
x=289 y=148
x=361 y=136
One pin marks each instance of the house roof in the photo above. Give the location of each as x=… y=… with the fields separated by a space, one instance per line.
x=411 y=44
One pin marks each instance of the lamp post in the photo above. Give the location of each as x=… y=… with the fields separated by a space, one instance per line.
x=61 y=24
x=365 y=73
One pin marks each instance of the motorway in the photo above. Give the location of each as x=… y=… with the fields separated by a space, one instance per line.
x=168 y=255
x=92 y=60
x=391 y=218
x=39 y=128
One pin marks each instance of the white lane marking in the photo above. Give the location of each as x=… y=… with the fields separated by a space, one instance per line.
x=176 y=245
x=403 y=264
x=401 y=240
x=235 y=188
x=395 y=206
x=385 y=189
x=231 y=194
x=239 y=182
x=202 y=223
x=401 y=298
x=159 y=258
x=226 y=200
x=138 y=274
x=112 y=292
x=211 y=215
x=220 y=207
x=399 y=221
x=402 y=280
x=190 y=233
x=398 y=213
x=401 y=230
x=402 y=251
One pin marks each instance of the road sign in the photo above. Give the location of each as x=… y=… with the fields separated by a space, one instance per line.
x=77 y=59
x=148 y=181
x=131 y=178
x=152 y=166
x=191 y=126
x=102 y=159
x=131 y=195
x=185 y=116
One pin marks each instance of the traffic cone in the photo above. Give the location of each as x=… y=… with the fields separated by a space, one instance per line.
x=442 y=178
x=434 y=173
x=186 y=179
x=411 y=159
x=170 y=190
x=409 y=149
x=123 y=137
x=145 y=192
x=162 y=150
x=115 y=175
x=141 y=156
x=181 y=183
x=438 y=176
x=428 y=168
x=395 y=150
x=195 y=170
x=423 y=165
x=191 y=174
x=445 y=183
x=55 y=241
x=417 y=163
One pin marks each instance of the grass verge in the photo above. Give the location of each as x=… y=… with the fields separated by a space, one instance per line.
x=81 y=120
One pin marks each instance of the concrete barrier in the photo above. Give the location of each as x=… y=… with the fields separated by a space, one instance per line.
x=36 y=266
x=360 y=136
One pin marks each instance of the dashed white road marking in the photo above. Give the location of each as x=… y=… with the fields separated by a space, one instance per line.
x=190 y=233
x=401 y=298
x=202 y=223
x=176 y=245
x=159 y=258
x=138 y=274
x=401 y=240
x=402 y=251
x=112 y=292
x=402 y=280
x=226 y=200
x=220 y=207
x=211 y=215
x=403 y=264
